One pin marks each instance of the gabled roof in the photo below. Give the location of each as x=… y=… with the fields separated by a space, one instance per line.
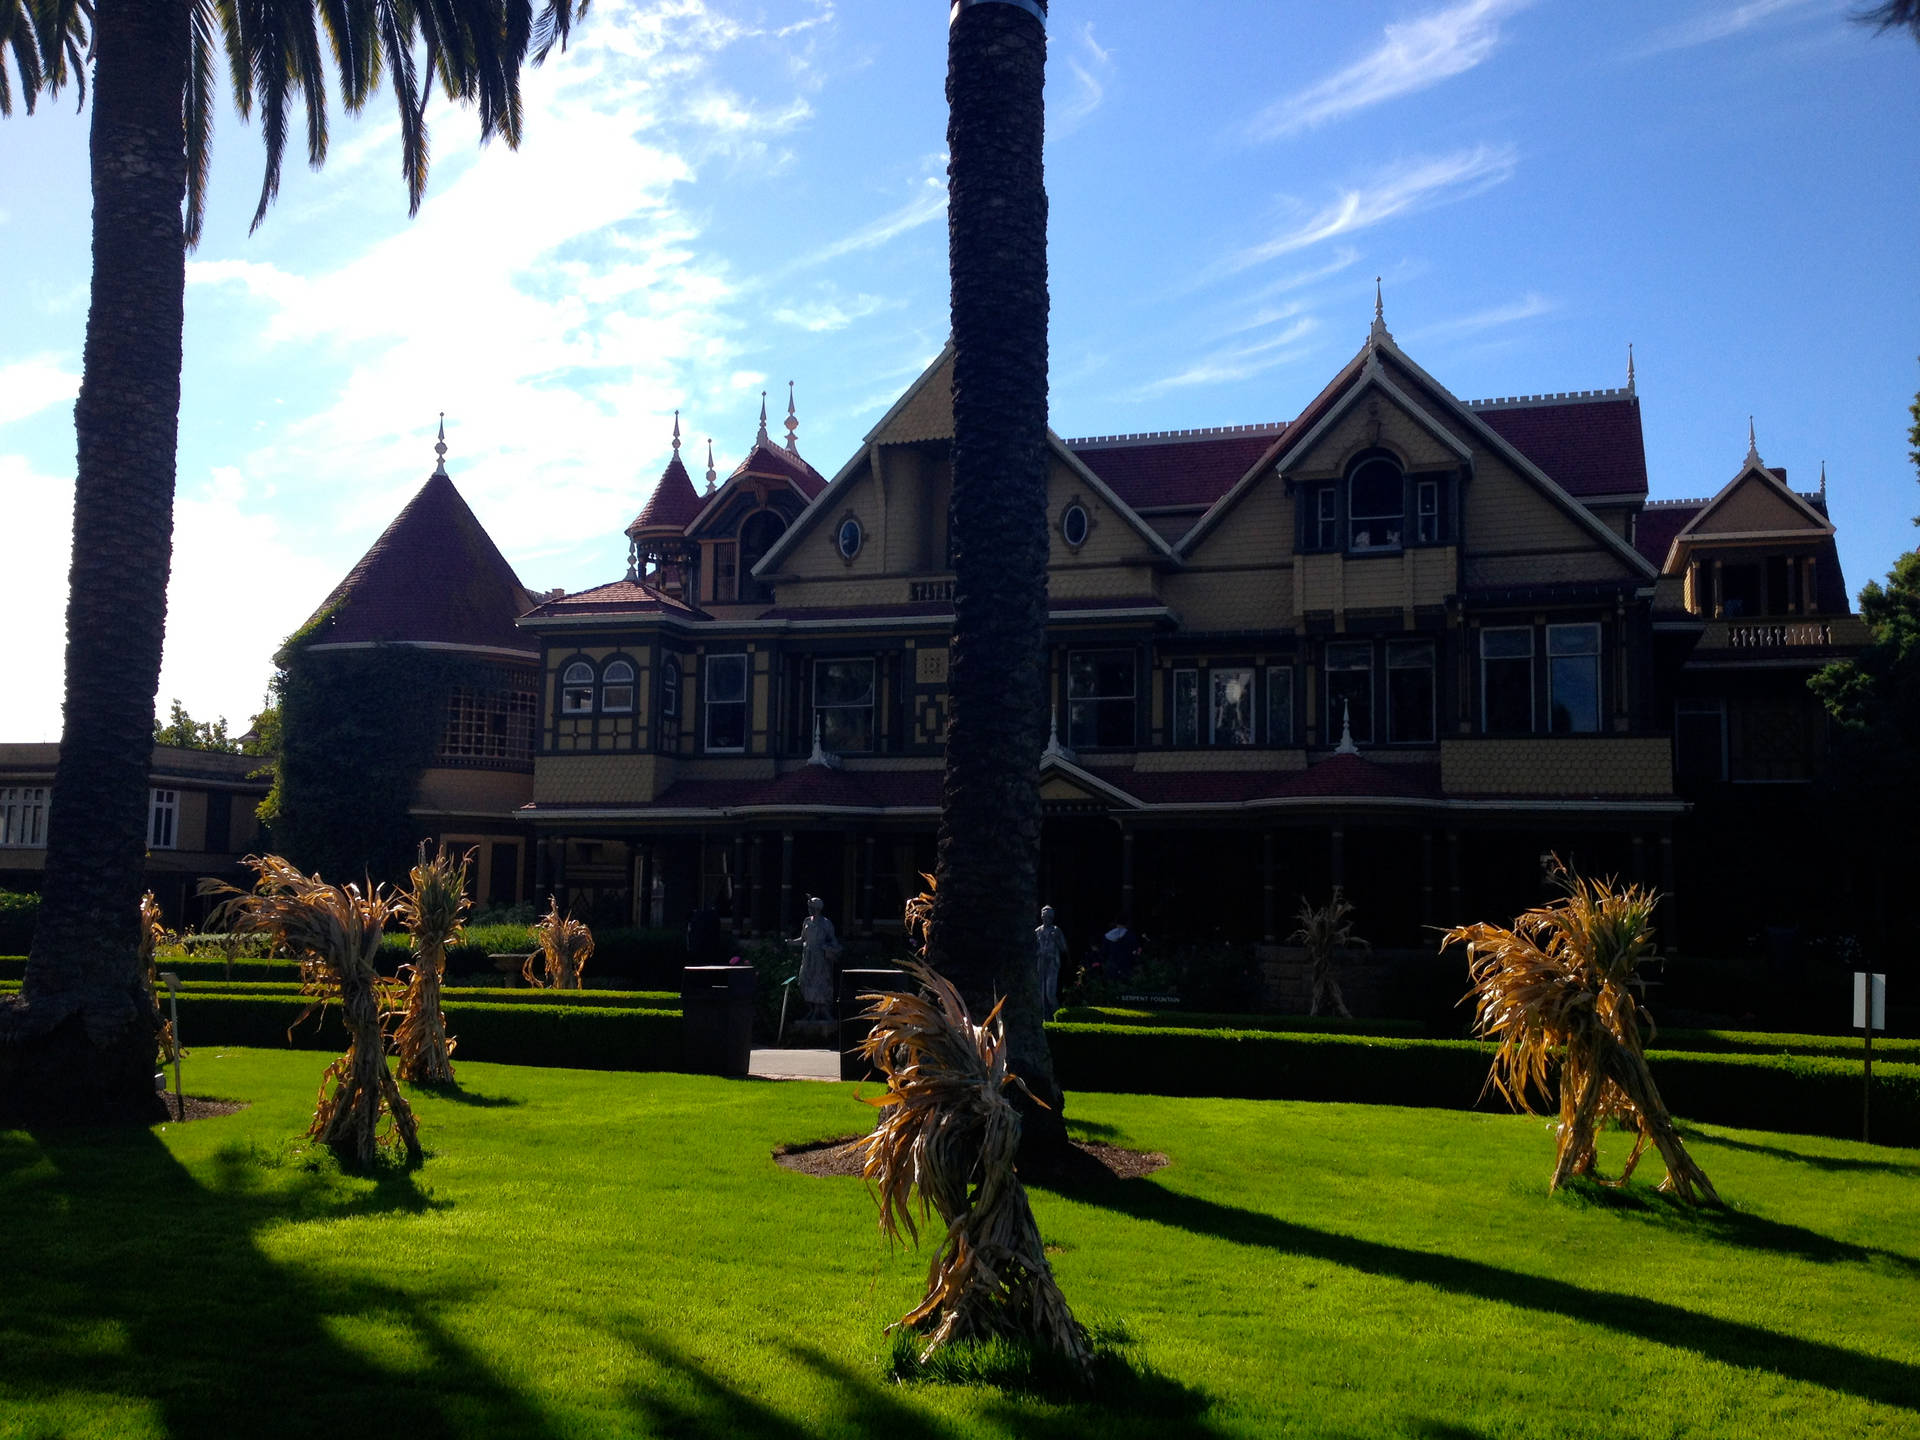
x=766 y=458
x=1803 y=515
x=434 y=577
x=672 y=505
x=1589 y=441
x=1175 y=469
x=1656 y=525
x=628 y=597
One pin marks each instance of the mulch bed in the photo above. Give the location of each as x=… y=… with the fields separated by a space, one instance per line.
x=200 y=1108
x=1091 y=1160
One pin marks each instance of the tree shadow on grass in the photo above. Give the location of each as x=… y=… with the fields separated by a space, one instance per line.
x=129 y=1281
x=1730 y=1342
x=1837 y=1164
x=455 y=1095
x=705 y=1404
x=1732 y=1227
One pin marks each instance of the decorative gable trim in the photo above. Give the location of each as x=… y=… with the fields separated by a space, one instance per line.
x=1818 y=524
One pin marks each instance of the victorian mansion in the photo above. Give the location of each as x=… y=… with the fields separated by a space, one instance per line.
x=1401 y=642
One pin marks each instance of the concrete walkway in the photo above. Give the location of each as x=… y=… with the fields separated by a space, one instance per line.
x=795 y=1064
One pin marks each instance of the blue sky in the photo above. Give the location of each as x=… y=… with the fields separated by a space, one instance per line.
x=717 y=197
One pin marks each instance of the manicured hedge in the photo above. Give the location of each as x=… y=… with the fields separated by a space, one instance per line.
x=1812 y=1095
x=579 y=1037
x=1200 y=1020
x=592 y=999
x=1753 y=1042
x=12 y=967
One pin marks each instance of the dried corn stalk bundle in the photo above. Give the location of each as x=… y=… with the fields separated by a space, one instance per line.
x=433 y=908
x=1560 y=986
x=335 y=933
x=1326 y=933
x=565 y=947
x=151 y=931
x=947 y=1129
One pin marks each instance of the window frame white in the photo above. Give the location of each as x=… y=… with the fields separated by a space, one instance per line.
x=1598 y=672
x=1533 y=699
x=1217 y=676
x=578 y=687
x=1098 y=701
x=1066 y=525
x=163 y=818
x=1373 y=521
x=1328 y=669
x=23 y=817
x=610 y=685
x=830 y=741
x=709 y=705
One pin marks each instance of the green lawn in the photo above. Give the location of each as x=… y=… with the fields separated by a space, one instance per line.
x=604 y=1254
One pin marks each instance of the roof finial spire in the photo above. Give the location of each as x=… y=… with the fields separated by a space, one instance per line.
x=761 y=438
x=1629 y=367
x=710 y=469
x=1823 y=480
x=440 y=447
x=793 y=423
x=1379 y=330
x=1753 y=446
x=1346 y=745
x=676 y=432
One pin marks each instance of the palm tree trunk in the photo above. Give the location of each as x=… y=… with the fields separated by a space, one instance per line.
x=987 y=899
x=79 y=1046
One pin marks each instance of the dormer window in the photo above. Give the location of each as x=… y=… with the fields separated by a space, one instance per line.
x=616 y=687
x=1376 y=504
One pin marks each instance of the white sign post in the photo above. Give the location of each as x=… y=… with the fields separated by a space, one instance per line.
x=1869 y=1015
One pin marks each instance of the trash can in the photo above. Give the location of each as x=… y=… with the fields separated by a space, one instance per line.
x=717 y=1018
x=853 y=1030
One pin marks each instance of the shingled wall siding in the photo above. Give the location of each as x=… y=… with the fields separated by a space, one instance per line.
x=581 y=779
x=1561 y=765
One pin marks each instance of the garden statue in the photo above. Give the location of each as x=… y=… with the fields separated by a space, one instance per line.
x=819 y=948
x=1049 y=945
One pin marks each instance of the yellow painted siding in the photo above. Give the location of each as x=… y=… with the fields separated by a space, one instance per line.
x=615 y=779
x=472 y=792
x=1561 y=765
x=1753 y=505
x=190 y=825
x=928 y=416
x=1375 y=420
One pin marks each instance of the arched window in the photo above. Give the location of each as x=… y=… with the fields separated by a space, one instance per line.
x=757 y=536
x=576 y=689
x=616 y=687
x=1376 y=504
x=670 y=688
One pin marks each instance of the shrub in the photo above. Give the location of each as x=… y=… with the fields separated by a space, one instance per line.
x=1202 y=1020
x=19 y=910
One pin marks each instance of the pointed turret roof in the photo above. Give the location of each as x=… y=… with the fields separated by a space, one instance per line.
x=673 y=503
x=434 y=577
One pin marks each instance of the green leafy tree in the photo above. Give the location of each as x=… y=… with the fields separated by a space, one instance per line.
x=183 y=732
x=78 y=1043
x=1874 y=699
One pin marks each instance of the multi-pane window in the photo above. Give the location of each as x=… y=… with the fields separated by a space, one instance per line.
x=1231 y=714
x=843 y=704
x=1410 y=692
x=726 y=571
x=1427 y=510
x=163 y=819
x=616 y=687
x=1376 y=505
x=726 y=689
x=1320 y=527
x=1280 y=705
x=488 y=724
x=576 y=689
x=1573 y=678
x=670 y=688
x=1186 y=707
x=23 y=815
x=1100 y=695
x=1506 y=680
x=1350 y=690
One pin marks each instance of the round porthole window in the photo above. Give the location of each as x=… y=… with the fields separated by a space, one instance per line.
x=849 y=537
x=1074 y=524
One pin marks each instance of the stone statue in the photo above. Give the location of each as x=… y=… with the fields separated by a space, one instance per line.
x=819 y=948
x=1050 y=947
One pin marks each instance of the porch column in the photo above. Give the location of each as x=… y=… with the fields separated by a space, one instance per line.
x=1718 y=602
x=736 y=884
x=1454 y=916
x=1339 y=854
x=559 y=864
x=866 y=881
x=752 y=878
x=1426 y=877
x=1672 y=902
x=1266 y=885
x=636 y=882
x=542 y=863
x=786 y=882
x=1126 y=876
x=1812 y=607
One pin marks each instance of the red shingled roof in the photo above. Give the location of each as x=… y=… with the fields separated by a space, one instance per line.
x=1655 y=527
x=1336 y=777
x=766 y=458
x=1588 y=447
x=672 y=505
x=618 y=597
x=1180 y=470
x=809 y=787
x=434 y=576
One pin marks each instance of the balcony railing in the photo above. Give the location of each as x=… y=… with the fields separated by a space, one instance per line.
x=1784 y=635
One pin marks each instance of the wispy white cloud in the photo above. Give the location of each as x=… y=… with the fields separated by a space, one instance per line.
x=1721 y=23
x=1413 y=55
x=1090 y=66
x=1234 y=362
x=29 y=386
x=1525 y=308
x=929 y=203
x=825 y=315
x=1401 y=189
